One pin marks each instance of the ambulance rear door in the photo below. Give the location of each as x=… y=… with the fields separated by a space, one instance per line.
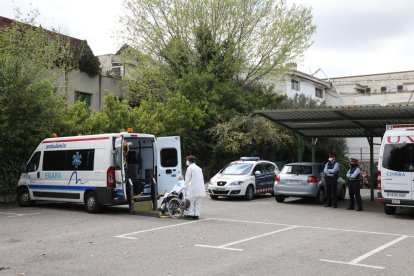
x=168 y=162
x=397 y=172
x=119 y=164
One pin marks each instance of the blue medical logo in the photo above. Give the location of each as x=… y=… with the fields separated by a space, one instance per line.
x=76 y=160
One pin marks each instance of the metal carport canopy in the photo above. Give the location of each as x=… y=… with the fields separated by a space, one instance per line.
x=350 y=121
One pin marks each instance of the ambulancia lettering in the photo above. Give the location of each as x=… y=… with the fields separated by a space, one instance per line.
x=56 y=146
x=395 y=174
x=400 y=139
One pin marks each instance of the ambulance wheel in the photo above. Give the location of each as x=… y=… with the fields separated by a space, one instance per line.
x=249 y=193
x=390 y=210
x=23 y=197
x=279 y=198
x=91 y=203
x=214 y=197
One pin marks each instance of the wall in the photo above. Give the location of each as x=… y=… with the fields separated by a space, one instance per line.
x=97 y=86
x=306 y=87
x=346 y=86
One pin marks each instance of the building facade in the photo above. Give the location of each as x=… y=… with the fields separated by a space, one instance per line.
x=376 y=89
x=78 y=85
x=394 y=88
x=295 y=82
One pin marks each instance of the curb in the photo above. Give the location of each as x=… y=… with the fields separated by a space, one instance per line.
x=7 y=199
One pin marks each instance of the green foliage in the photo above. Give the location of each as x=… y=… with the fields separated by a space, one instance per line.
x=29 y=109
x=115 y=116
x=250 y=134
x=75 y=120
x=208 y=58
x=177 y=116
x=86 y=60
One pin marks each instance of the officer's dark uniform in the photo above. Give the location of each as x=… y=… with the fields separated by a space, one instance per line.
x=331 y=180
x=353 y=184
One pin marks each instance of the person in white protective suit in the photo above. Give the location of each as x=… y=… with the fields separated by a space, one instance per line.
x=195 y=190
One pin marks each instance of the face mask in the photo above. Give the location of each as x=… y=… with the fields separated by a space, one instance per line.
x=330 y=159
x=187 y=163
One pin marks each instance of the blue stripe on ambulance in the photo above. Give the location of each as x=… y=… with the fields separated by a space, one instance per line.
x=61 y=188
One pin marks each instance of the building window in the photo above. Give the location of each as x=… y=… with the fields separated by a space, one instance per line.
x=400 y=87
x=83 y=97
x=117 y=70
x=318 y=93
x=384 y=89
x=295 y=85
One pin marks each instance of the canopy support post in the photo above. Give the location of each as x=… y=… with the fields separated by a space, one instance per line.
x=314 y=141
x=371 y=165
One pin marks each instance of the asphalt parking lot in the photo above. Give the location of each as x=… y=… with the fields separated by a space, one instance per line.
x=233 y=237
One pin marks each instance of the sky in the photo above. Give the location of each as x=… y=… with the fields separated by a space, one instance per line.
x=353 y=37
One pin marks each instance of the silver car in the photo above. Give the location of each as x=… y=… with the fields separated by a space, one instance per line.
x=304 y=179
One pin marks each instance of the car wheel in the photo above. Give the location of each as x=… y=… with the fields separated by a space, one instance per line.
x=249 y=193
x=91 y=203
x=279 y=198
x=342 y=194
x=390 y=210
x=214 y=197
x=320 y=197
x=23 y=198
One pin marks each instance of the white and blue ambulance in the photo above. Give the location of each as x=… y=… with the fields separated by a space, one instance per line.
x=97 y=170
x=396 y=168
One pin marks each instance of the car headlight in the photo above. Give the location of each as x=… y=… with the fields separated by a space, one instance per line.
x=236 y=183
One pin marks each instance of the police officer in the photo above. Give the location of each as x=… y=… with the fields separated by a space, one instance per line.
x=353 y=184
x=331 y=179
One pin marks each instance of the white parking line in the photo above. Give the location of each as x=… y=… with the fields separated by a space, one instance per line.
x=12 y=215
x=266 y=223
x=369 y=254
x=354 y=262
x=314 y=227
x=125 y=236
x=225 y=246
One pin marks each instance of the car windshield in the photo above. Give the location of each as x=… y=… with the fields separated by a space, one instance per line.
x=297 y=169
x=237 y=168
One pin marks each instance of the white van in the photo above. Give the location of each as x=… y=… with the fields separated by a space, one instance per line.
x=396 y=168
x=104 y=169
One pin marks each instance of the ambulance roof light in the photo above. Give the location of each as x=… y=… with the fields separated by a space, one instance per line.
x=130 y=130
x=53 y=135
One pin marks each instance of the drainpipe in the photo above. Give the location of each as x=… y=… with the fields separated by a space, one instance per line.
x=100 y=89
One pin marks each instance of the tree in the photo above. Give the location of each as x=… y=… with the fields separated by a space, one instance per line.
x=30 y=110
x=266 y=35
x=212 y=56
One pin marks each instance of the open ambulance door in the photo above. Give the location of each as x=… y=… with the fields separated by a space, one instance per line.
x=119 y=163
x=168 y=162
